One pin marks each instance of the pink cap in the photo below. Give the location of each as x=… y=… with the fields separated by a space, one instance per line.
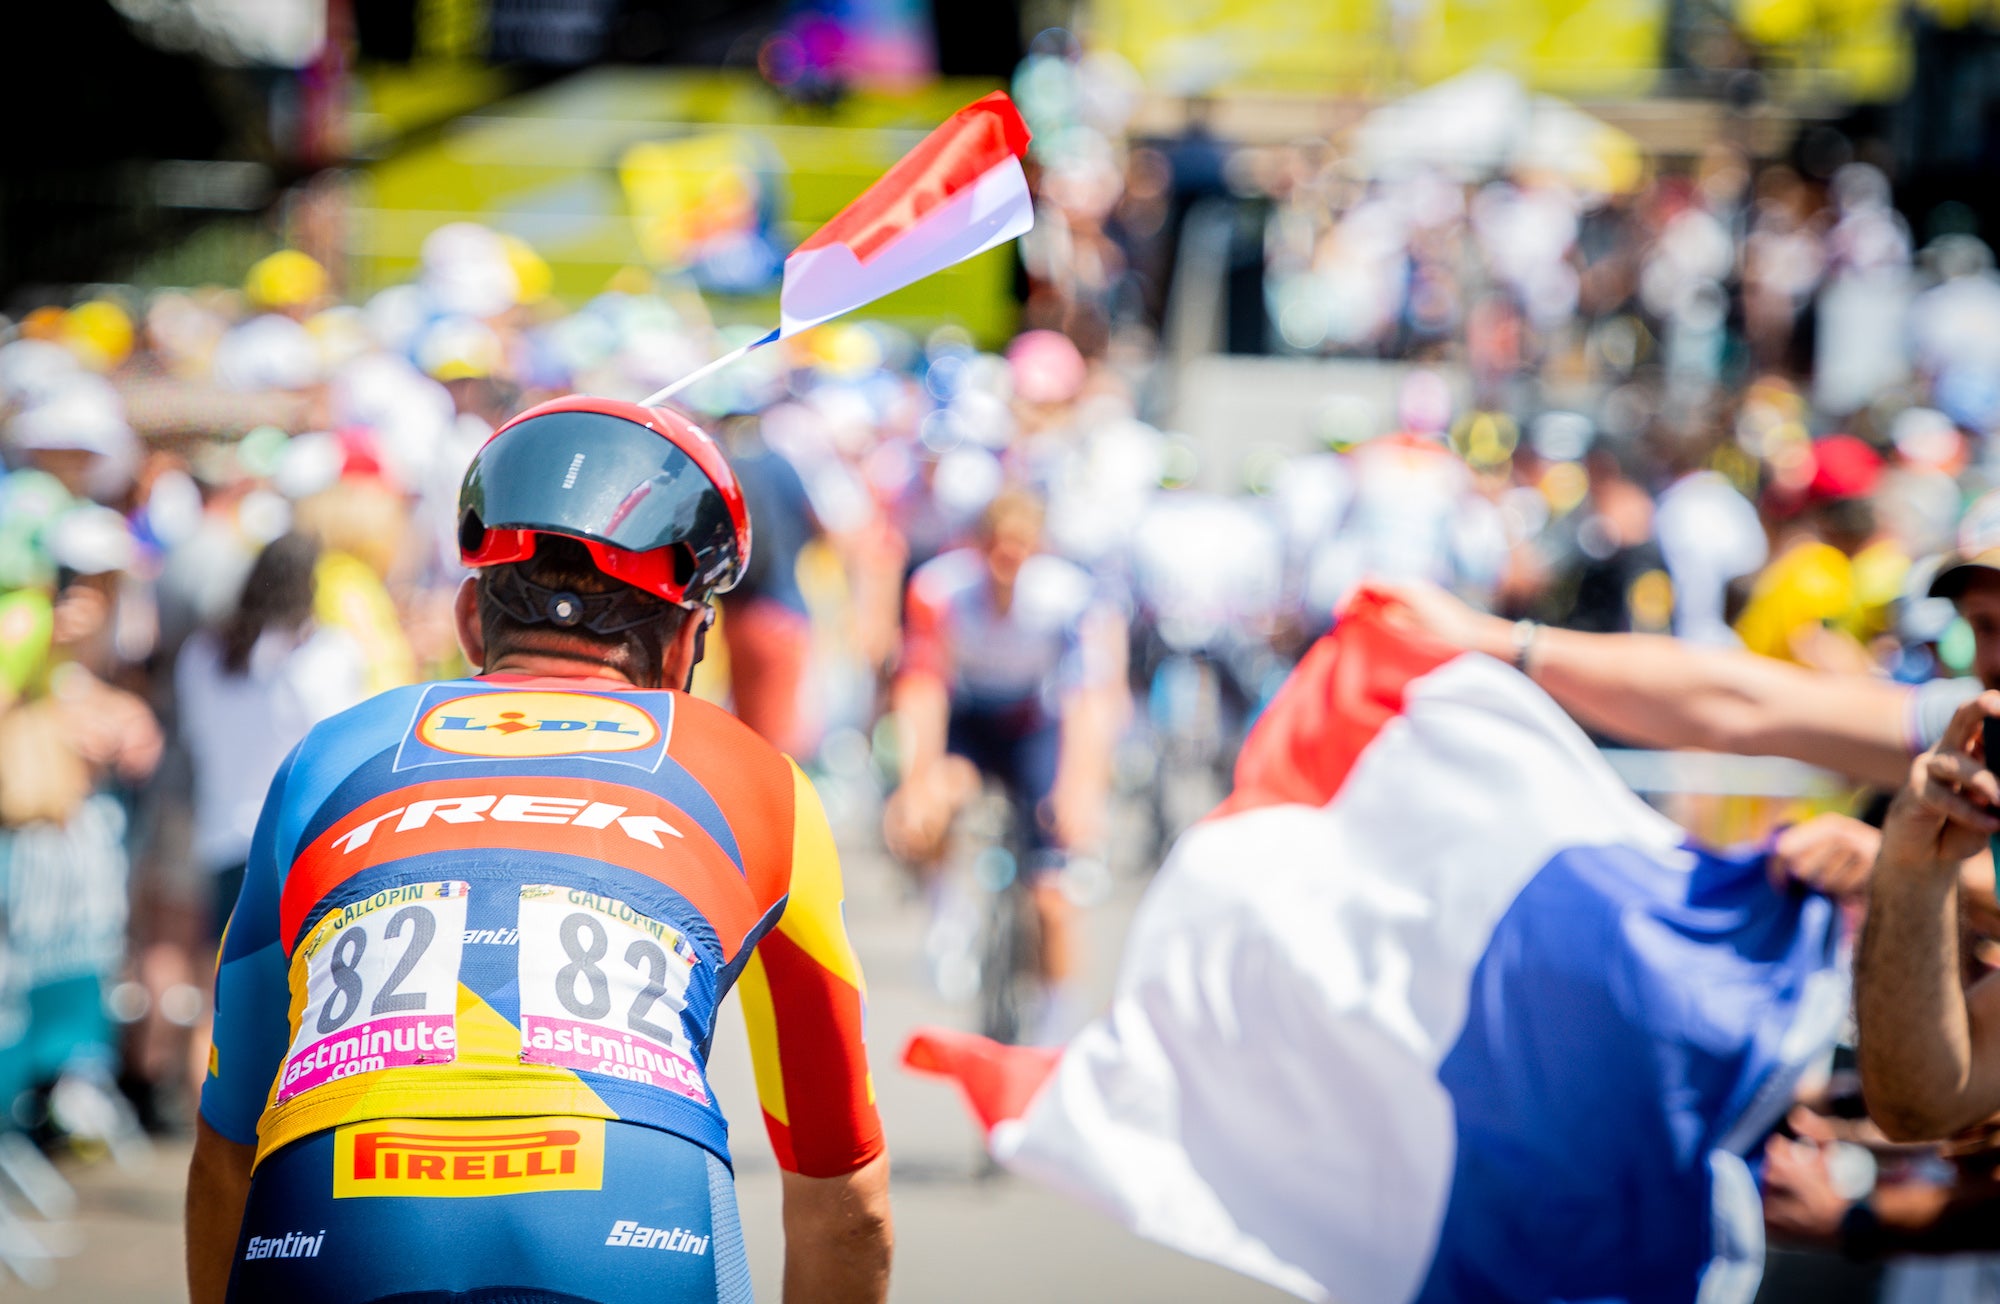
x=1047 y=367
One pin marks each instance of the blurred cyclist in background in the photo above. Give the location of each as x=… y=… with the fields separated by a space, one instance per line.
x=1008 y=674
x=765 y=625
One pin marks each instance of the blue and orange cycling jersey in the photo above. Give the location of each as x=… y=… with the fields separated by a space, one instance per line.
x=511 y=898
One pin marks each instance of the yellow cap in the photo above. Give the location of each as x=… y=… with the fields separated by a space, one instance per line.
x=531 y=271
x=459 y=348
x=286 y=279
x=99 y=333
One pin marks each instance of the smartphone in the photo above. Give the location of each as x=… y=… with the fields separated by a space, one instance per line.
x=1991 y=736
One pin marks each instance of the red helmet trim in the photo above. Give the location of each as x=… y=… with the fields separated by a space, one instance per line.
x=651 y=571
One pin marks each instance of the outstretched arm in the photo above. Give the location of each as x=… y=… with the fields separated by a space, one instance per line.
x=1660 y=692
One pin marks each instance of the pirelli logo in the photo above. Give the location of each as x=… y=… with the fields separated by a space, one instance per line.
x=456 y=1158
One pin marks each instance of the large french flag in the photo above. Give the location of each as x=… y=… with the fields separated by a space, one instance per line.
x=960 y=192
x=1433 y=1008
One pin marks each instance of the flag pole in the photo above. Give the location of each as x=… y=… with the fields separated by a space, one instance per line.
x=708 y=370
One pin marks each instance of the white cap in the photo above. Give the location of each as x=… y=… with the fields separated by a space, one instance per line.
x=460 y=348
x=92 y=540
x=84 y=413
x=309 y=464
x=967 y=479
x=466 y=271
x=33 y=370
x=396 y=315
x=410 y=413
x=268 y=352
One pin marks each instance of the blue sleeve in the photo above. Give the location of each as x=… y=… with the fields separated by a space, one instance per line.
x=252 y=987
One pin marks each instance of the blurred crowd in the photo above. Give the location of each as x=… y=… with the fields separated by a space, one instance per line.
x=1737 y=402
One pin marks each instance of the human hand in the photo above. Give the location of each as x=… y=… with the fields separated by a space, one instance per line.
x=1430 y=610
x=914 y=824
x=1946 y=812
x=1800 y=1203
x=1831 y=854
x=916 y=820
x=80 y=611
x=1076 y=812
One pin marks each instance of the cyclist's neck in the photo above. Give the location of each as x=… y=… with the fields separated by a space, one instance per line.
x=530 y=665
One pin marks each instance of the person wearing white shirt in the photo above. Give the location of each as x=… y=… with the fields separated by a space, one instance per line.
x=246 y=693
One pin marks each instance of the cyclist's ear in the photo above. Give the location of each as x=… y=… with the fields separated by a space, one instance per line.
x=465 y=615
x=684 y=651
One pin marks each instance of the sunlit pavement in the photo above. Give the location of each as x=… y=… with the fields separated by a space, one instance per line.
x=960 y=1235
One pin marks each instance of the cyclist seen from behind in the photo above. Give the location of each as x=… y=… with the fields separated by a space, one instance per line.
x=1012 y=670
x=468 y=991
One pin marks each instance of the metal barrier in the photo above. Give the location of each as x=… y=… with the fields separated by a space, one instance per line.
x=1722 y=799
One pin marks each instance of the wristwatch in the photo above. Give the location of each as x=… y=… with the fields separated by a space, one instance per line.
x=1524 y=643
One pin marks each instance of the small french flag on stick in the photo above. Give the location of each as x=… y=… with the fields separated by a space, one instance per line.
x=960 y=192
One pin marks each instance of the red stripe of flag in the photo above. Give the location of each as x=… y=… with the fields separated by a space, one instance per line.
x=1345 y=690
x=998 y=1081
x=969 y=144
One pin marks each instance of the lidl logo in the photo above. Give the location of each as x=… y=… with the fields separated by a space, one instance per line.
x=523 y=725
x=468 y=1157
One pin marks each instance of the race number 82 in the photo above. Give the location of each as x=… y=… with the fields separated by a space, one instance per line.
x=602 y=988
x=380 y=978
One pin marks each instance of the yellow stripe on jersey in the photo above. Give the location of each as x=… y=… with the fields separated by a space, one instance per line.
x=760 y=1021
x=812 y=917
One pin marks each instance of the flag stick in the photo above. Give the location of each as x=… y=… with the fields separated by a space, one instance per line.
x=713 y=367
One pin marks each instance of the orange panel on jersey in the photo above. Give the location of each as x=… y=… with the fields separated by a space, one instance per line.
x=751 y=782
x=619 y=825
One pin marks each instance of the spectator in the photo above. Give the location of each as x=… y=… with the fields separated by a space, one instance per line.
x=765 y=624
x=249 y=691
x=1822 y=599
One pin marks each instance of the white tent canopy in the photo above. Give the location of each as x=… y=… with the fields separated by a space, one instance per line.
x=1484 y=122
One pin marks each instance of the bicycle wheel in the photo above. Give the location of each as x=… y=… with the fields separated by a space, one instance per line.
x=1009 y=959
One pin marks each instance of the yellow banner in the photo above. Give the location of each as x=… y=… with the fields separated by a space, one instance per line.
x=1859 y=48
x=1580 y=48
x=1566 y=47
x=1363 y=47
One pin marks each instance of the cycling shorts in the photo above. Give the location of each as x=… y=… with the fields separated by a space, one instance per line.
x=552 y=1210
x=1018 y=744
